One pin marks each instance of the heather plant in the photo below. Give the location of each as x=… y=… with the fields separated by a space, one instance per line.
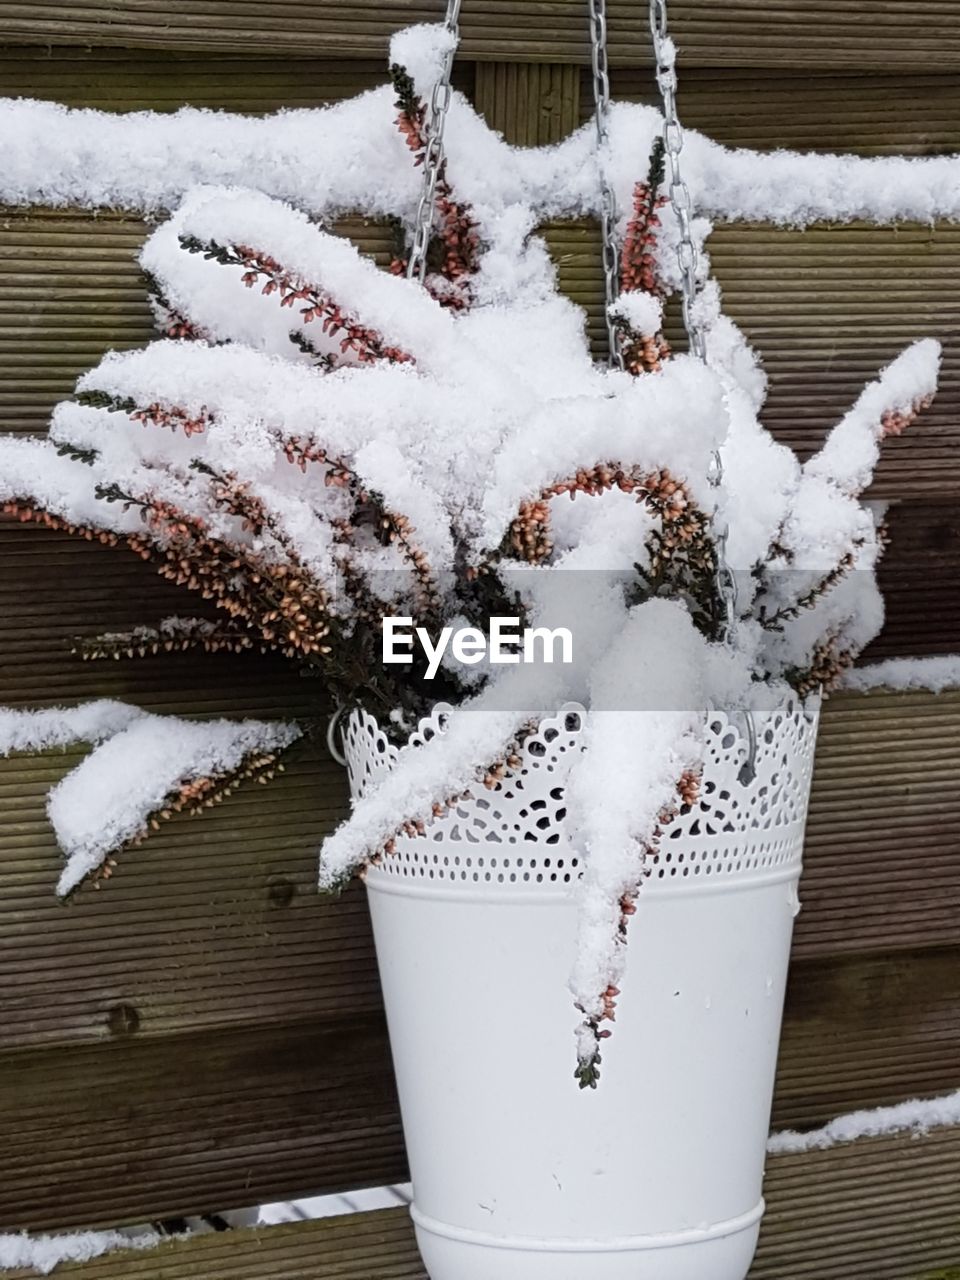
x=314 y=445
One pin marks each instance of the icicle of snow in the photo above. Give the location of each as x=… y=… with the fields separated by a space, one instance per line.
x=44 y=1253
x=106 y=800
x=63 y=726
x=918 y=1116
x=936 y=674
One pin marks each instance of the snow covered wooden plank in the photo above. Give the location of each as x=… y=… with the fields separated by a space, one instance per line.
x=747 y=33
x=881 y=1207
x=367 y=1246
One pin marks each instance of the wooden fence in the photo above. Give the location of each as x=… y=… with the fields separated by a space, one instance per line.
x=207 y=1032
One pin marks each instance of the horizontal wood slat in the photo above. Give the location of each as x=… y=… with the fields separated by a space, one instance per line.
x=901 y=112
x=532 y=104
x=214 y=921
x=882 y=874
x=867 y=1031
x=845 y=33
x=919 y=577
x=77 y=589
x=133 y=1128
x=163 y=80
x=882 y=856
x=882 y=1207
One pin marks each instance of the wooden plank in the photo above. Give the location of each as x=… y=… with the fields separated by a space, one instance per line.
x=882 y=1207
x=365 y=1246
x=212 y=923
x=867 y=1031
x=920 y=580
x=163 y=80
x=845 y=33
x=533 y=104
x=135 y=1127
x=882 y=857
x=901 y=112
x=78 y=589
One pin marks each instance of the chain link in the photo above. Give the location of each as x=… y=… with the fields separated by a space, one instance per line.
x=688 y=261
x=608 y=201
x=433 y=156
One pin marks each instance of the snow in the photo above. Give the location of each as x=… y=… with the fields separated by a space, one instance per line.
x=852 y=449
x=349 y=157
x=641 y=312
x=138 y=760
x=44 y=1253
x=917 y=1116
x=938 y=674
x=106 y=800
x=91 y=722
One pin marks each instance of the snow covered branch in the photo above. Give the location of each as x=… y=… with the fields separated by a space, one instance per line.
x=143 y=769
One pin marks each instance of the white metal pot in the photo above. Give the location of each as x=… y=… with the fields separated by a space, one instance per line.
x=656 y=1174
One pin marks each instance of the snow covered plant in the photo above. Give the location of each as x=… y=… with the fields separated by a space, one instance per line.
x=317 y=444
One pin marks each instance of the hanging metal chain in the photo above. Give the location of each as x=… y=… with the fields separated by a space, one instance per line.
x=433 y=157
x=688 y=260
x=608 y=201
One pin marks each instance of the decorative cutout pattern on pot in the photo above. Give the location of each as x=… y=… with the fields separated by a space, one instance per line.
x=513 y=834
